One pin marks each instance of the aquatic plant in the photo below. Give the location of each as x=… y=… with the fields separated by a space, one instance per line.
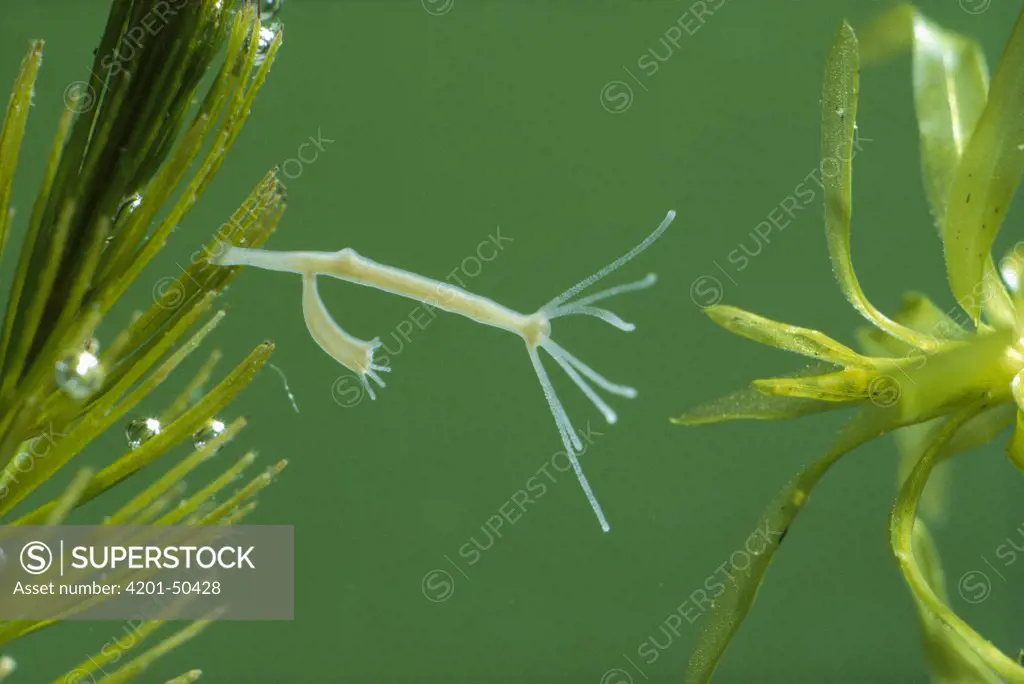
x=947 y=385
x=116 y=184
x=535 y=329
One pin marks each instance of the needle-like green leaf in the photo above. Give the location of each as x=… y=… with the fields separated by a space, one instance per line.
x=154 y=492
x=13 y=131
x=182 y=428
x=239 y=505
x=21 y=276
x=140 y=664
x=113 y=653
x=125 y=145
x=192 y=504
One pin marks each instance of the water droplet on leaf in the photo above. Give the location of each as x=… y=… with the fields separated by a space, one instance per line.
x=127 y=207
x=140 y=431
x=80 y=374
x=209 y=432
x=1011 y=268
x=92 y=346
x=268 y=8
x=267 y=35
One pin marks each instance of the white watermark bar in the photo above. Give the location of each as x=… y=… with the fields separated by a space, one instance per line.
x=95 y=572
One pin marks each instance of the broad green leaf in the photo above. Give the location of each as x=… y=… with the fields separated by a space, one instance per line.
x=913 y=439
x=750 y=404
x=919 y=313
x=838 y=121
x=954 y=375
x=1015 y=450
x=950 y=81
x=986 y=179
x=874 y=342
x=979 y=430
x=901 y=526
x=732 y=606
x=845 y=386
x=950 y=659
x=805 y=341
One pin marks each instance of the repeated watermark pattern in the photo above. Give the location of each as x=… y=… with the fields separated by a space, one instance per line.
x=975 y=585
x=347 y=390
x=437 y=8
x=707 y=289
x=438 y=585
x=975 y=6
x=693 y=606
x=617 y=95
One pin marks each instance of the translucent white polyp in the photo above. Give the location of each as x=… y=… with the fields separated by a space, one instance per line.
x=535 y=329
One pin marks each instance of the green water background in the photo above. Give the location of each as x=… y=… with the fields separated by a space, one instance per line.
x=496 y=114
